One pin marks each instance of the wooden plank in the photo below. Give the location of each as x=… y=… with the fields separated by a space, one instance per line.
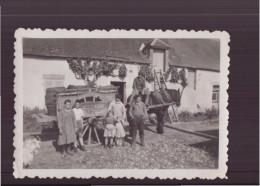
x=96 y=134
x=71 y=93
x=89 y=135
x=37 y=133
x=160 y=105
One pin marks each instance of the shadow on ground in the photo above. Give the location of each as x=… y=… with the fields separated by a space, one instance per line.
x=211 y=146
x=210 y=132
x=197 y=133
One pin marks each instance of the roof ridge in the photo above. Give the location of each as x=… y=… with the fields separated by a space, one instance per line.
x=159 y=40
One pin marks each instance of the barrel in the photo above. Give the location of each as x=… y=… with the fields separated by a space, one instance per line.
x=51 y=94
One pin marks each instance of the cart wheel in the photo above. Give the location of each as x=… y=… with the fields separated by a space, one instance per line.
x=92 y=121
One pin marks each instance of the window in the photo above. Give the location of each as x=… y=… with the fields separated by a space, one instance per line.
x=81 y=100
x=53 y=80
x=192 y=78
x=97 y=99
x=89 y=99
x=215 y=93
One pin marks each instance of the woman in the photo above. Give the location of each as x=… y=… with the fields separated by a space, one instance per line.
x=67 y=124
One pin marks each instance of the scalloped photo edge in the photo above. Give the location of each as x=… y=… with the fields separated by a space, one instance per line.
x=220 y=172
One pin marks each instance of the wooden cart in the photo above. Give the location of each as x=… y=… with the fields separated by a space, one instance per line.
x=94 y=104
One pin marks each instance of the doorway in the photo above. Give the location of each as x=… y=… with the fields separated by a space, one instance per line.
x=121 y=86
x=215 y=97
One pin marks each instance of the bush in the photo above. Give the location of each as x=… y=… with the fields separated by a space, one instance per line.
x=185 y=116
x=30 y=124
x=198 y=114
x=210 y=113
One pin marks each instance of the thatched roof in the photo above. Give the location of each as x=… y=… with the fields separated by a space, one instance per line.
x=196 y=53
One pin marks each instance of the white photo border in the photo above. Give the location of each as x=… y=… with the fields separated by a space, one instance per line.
x=220 y=172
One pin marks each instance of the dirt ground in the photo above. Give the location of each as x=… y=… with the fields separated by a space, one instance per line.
x=183 y=145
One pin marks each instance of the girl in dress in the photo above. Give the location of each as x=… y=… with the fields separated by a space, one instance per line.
x=120 y=132
x=119 y=112
x=110 y=129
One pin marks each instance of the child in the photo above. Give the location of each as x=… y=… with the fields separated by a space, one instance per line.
x=66 y=124
x=120 y=132
x=78 y=112
x=110 y=129
x=119 y=112
x=90 y=79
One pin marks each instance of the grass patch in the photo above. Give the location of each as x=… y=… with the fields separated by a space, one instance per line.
x=185 y=116
x=209 y=114
x=30 y=124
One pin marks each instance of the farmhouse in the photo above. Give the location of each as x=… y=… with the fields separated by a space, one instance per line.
x=45 y=65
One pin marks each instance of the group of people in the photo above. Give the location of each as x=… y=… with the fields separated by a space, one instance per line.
x=70 y=121
x=70 y=124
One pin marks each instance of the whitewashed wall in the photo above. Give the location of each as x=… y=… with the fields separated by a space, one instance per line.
x=200 y=98
x=34 y=89
x=35 y=68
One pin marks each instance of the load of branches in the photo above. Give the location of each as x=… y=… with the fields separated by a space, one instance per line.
x=174 y=76
x=80 y=68
x=147 y=73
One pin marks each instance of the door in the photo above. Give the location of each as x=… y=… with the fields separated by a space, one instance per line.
x=158 y=60
x=215 y=97
x=192 y=79
x=121 y=89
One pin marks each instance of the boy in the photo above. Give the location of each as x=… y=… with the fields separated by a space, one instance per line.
x=139 y=88
x=138 y=114
x=79 y=127
x=90 y=79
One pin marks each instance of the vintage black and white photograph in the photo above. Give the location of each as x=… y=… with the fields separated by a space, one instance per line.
x=121 y=103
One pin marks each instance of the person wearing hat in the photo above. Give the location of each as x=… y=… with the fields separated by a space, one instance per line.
x=119 y=112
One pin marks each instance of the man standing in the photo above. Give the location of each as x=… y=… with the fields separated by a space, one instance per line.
x=138 y=114
x=160 y=115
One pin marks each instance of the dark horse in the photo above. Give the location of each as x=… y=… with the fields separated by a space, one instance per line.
x=174 y=96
